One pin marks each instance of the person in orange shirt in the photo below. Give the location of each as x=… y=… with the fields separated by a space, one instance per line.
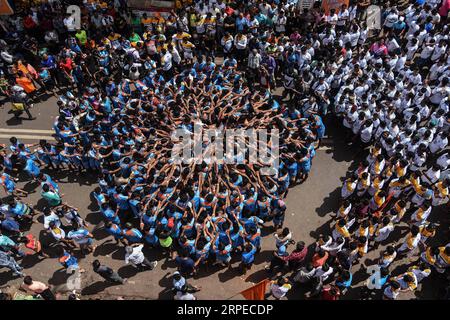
x=319 y=258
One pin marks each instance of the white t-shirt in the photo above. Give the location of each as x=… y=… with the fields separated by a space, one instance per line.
x=69 y=22
x=366 y=134
x=167 y=61
x=343 y=16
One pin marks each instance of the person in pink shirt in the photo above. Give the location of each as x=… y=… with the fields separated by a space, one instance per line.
x=379 y=48
x=443 y=10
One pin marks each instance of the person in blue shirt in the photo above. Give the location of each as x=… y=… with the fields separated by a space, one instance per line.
x=254 y=236
x=250 y=201
x=123 y=204
x=132 y=235
x=344 y=280
x=149 y=235
x=32 y=169
x=241 y=23
x=109 y=213
x=292 y=168
x=304 y=164
x=20 y=210
x=69 y=262
x=248 y=257
x=46 y=179
x=9 y=184
x=9 y=224
x=48 y=62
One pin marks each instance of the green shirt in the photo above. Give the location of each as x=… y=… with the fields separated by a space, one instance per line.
x=52 y=198
x=6 y=242
x=135 y=38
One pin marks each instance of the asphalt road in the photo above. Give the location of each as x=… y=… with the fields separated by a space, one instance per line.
x=308 y=215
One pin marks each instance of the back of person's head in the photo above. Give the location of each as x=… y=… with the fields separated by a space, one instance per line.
x=27 y=280
x=96 y=264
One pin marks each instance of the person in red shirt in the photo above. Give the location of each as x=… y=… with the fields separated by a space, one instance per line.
x=66 y=66
x=293 y=260
x=29 y=23
x=330 y=293
x=319 y=258
x=297 y=256
x=33 y=245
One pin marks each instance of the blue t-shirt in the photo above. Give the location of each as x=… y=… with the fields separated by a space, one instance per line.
x=249 y=257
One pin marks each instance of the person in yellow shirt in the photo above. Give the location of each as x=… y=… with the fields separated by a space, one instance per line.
x=159 y=23
x=187 y=48
x=427 y=232
x=429 y=256
x=378 y=200
x=398 y=185
x=179 y=36
x=411 y=242
x=443 y=259
x=344 y=209
x=341 y=229
x=377 y=184
x=349 y=186
x=363 y=247
x=441 y=192
x=147 y=22
x=398 y=211
x=113 y=36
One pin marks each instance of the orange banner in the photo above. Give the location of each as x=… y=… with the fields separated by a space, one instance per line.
x=256 y=292
x=327 y=5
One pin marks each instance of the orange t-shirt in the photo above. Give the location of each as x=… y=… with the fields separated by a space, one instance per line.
x=26 y=84
x=317 y=261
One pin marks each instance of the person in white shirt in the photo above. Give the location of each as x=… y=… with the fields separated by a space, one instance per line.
x=432 y=175
x=70 y=23
x=392 y=45
x=440 y=92
x=438 y=143
x=280 y=22
x=412 y=49
x=332 y=18
x=135 y=257
x=343 y=17
x=323 y=271
x=383 y=231
x=366 y=132
x=443 y=161
x=166 y=62
x=390 y=19
x=184 y=294
x=425 y=54
x=438 y=51
x=280 y=288
x=240 y=42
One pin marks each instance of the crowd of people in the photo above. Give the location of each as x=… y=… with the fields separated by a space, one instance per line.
x=392 y=97
x=127 y=82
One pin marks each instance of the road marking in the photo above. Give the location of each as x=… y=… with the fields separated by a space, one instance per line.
x=325 y=148
x=26 y=137
x=26 y=131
